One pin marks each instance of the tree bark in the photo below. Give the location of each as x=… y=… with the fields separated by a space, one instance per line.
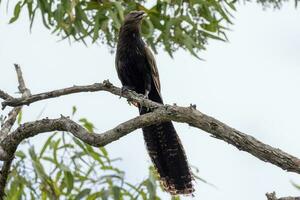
x=189 y=115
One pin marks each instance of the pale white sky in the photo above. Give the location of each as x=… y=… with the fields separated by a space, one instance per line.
x=251 y=83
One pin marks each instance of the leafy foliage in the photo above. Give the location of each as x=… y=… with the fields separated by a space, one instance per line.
x=171 y=24
x=66 y=168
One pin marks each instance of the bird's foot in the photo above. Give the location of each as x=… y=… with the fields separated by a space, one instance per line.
x=144 y=96
x=125 y=89
x=147 y=94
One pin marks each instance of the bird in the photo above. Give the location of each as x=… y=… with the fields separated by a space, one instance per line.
x=137 y=70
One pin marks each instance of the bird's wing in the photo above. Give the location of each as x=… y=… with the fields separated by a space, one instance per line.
x=154 y=71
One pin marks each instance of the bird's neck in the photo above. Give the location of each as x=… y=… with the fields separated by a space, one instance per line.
x=129 y=33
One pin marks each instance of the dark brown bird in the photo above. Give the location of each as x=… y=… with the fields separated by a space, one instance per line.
x=137 y=71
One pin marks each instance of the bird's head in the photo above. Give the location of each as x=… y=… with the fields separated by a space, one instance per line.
x=134 y=17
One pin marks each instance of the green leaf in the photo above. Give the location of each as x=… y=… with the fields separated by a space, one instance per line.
x=116 y=192
x=296 y=185
x=115 y=19
x=100 y=19
x=29 y=8
x=44 y=195
x=82 y=16
x=20 y=154
x=83 y=193
x=80 y=144
x=94 y=196
x=147 y=29
x=88 y=125
x=69 y=181
x=46 y=145
x=55 y=149
x=120 y=10
x=16 y=12
x=19 y=119
x=104 y=195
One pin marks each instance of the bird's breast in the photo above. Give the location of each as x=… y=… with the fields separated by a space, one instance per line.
x=132 y=58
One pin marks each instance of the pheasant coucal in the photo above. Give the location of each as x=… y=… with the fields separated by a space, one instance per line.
x=137 y=71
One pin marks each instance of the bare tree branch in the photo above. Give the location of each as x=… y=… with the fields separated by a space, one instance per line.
x=12 y=116
x=9 y=122
x=5 y=129
x=4 y=95
x=4 y=172
x=3 y=155
x=187 y=115
x=105 y=86
x=161 y=113
x=31 y=129
x=272 y=196
x=22 y=87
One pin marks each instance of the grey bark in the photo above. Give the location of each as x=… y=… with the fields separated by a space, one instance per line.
x=5 y=129
x=189 y=115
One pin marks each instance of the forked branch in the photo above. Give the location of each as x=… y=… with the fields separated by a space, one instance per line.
x=5 y=129
x=189 y=115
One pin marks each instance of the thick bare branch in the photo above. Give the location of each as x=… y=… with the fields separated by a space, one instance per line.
x=3 y=155
x=31 y=129
x=4 y=172
x=191 y=116
x=187 y=115
x=272 y=196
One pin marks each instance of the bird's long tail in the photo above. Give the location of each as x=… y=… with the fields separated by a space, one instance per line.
x=167 y=154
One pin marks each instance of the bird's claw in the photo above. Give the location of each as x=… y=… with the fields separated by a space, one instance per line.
x=143 y=96
x=133 y=103
x=125 y=89
x=147 y=94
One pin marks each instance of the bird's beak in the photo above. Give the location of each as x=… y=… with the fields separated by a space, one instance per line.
x=141 y=14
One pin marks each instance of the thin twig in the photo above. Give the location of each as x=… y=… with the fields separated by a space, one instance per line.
x=22 y=87
x=9 y=122
x=4 y=95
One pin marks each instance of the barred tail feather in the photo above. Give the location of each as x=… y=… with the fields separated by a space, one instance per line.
x=168 y=156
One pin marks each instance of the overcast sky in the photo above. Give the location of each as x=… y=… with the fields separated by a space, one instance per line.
x=251 y=83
